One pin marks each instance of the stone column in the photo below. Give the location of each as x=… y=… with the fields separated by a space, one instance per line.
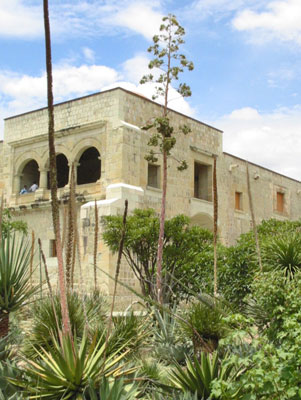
x=17 y=184
x=40 y=193
x=98 y=180
x=76 y=164
x=43 y=179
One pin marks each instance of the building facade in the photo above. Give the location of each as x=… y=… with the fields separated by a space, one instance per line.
x=101 y=136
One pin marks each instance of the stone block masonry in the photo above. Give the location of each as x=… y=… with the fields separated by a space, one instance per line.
x=101 y=136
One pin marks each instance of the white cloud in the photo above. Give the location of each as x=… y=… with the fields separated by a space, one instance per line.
x=68 y=81
x=139 y=17
x=217 y=9
x=280 y=20
x=20 y=20
x=21 y=93
x=89 y=54
x=272 y=140
x=134 y=68
x=24 y=19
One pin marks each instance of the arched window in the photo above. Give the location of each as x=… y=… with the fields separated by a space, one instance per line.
x=30 y=174
x=88 y=170
x=62 y=169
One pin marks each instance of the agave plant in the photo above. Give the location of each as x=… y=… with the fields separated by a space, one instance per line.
x=166 y=340
x=67 y=369
x=284 y=253
x=47 y=312
x=206 y=325
x=15 y=287
x=114 y=389
x=9 y=370
x=198 y=376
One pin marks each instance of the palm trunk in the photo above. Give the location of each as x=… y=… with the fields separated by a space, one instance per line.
x=1 y=217
x=161 y=232
x=253 y=219
x=95 y=245
x=215 y=218
x=4 y=324
x=70 y=232
x=53 y=176
x=120 y=250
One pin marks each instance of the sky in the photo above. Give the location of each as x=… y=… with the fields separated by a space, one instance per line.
x=246 y=54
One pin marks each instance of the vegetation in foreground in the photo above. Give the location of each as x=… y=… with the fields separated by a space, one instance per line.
x=244 y=344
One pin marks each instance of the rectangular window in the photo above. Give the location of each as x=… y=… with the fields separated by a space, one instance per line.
x=238 y=201
x=52 y=249
x=153 y=176
x=280 y=202
x=202 y=181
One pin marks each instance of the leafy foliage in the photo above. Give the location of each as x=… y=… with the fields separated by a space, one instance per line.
x=170 y=63
x=205 y=324
x=284 y=253
x=167 y=340
x=182 y=244
x=9 y=370
x=272 y=365
x=15 y=288
x=130 y=330
x=198 y=376
x=65 y=370
x=115 y=389
x=45 y=318
x=10 y=226
x=280 y=246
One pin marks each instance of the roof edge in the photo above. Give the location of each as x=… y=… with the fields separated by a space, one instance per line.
x=260 y=166
x=111 y=90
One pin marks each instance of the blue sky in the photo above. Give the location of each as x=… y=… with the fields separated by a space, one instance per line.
x=246 y=54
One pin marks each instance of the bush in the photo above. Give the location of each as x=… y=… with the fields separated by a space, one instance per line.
x=45 y=319
x=205 y=324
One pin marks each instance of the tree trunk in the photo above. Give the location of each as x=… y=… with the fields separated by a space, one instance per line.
x=53 y=175
x=215 y=217
x=161 y=232
x=4 y=324
x=253 y=218
x=95 y=244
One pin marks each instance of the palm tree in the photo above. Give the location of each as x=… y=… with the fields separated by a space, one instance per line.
x=53 y=179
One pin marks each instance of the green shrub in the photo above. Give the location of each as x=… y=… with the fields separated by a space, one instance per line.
x=44 y=326
x=205 y=324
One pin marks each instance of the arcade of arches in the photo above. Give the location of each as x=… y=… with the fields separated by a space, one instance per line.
x=88 y=170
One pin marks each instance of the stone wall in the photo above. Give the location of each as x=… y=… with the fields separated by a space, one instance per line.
x=111 y=122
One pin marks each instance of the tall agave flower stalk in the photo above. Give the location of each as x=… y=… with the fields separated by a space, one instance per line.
x=95 y=245
x=1 y=217
x=65 y=210
x=53 y=175
x=69 y=251
x=215 y=218
x=32 y=255
x=116 y=276
x=254 y=226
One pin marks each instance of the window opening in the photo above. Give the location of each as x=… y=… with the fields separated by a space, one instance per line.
x=89 y=169
x=52 y=248
x=202 y=181
x=153 y=176
x=238 y=201
x=280 y=202
x=30 y=175
x=62 y=171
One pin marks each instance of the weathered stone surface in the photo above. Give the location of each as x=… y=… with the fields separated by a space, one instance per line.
x=110 y=122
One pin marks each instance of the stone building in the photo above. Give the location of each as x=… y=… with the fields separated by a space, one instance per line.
x=101 y=135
